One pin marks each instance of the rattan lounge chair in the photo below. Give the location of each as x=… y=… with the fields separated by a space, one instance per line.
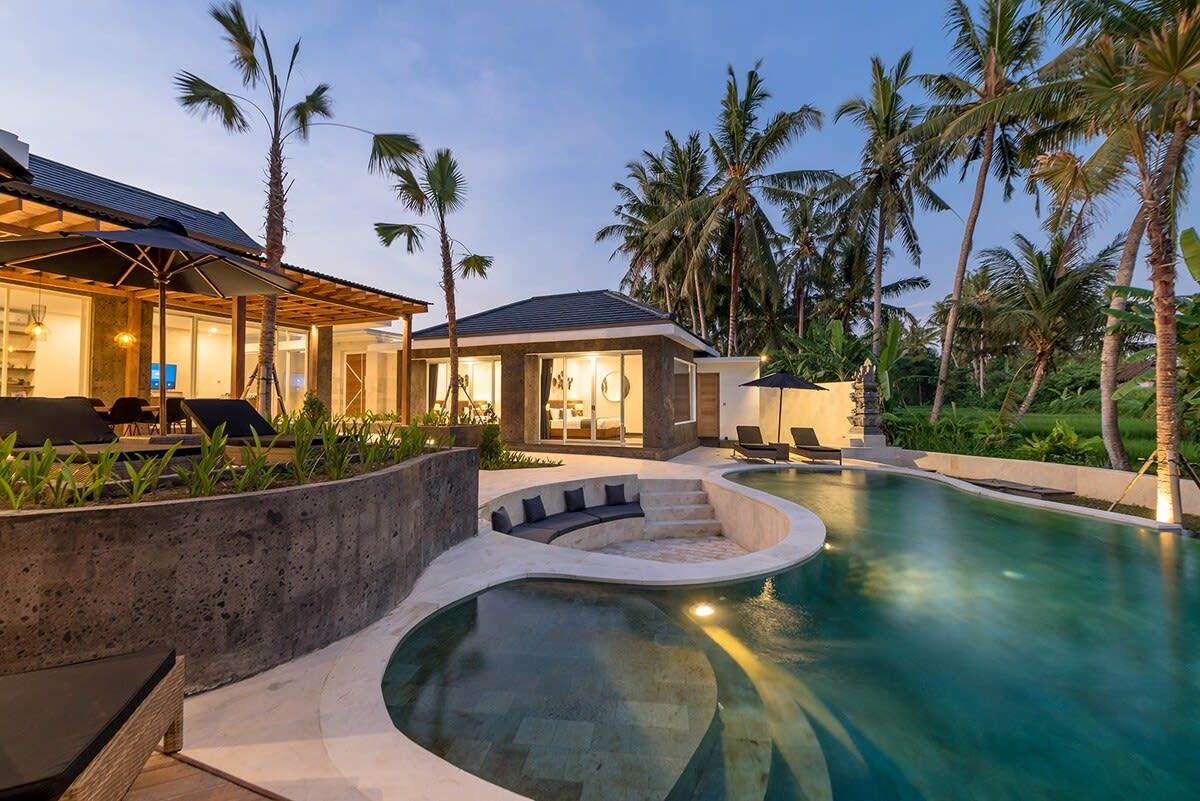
x=83 y=731
x=72 y=426
x=750 y=445
x=808 y=446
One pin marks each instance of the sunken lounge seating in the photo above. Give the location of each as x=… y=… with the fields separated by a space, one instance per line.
x=750 y=445
x=84 y=731
x=808 y=446
x=563 y=508
x=72 y=426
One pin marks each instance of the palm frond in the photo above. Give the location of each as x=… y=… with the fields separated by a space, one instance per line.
x=205 y=100
x=388 y=233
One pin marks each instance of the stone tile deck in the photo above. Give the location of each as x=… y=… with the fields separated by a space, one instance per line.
x=677 y=550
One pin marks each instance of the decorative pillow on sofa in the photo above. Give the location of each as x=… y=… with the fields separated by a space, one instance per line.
x=535 y=510
x=501 y=521
x=614 y=494
x=574 y=499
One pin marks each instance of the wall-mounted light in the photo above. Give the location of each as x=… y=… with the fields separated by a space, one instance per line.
x=124 y=340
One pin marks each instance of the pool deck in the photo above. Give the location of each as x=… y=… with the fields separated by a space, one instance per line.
x=317 y=727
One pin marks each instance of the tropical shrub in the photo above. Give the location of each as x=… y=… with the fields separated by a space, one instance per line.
x=1063 y=445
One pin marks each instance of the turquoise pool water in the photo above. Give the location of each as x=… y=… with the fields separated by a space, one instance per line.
x=946 y=646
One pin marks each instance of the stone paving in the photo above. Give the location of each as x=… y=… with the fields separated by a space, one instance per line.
x=679 y=550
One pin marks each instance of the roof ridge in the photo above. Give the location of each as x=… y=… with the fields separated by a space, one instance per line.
x=639 y=305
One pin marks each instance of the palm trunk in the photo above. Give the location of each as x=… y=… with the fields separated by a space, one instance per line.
x=801 y=303
x=275 y=229
x=1035 y=382
x=1110 y=351
x=877 y=290
x=700 y=305
x=451 y=319
x=964 y=254
x=735 y=279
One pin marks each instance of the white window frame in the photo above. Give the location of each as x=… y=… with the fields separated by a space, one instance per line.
x=691 y=369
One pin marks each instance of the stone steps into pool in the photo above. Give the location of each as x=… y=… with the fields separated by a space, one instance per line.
x=679 y=508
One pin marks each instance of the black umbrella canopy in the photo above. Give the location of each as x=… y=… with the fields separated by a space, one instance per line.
x=160 y=256
x=782 y=381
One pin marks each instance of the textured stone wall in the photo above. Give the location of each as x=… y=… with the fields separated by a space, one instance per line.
x=237 y=583
x=109 y=316
x=519 y=402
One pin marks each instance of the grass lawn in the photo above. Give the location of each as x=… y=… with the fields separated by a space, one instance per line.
x=1137 y=433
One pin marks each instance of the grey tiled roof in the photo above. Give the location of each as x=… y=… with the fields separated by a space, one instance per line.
x=76 y=190
x=598 y=308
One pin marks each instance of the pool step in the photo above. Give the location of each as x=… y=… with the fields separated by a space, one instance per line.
x=690 y=511
x=664 y=529
x=673 y=498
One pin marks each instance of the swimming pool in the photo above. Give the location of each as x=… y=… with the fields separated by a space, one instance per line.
x=945 y=645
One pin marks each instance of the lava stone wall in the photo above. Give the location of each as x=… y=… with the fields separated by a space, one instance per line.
x=237 y=583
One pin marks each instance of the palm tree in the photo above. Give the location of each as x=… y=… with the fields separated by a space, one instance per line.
x=809 y=224
x=888 y=186
x=283 y=120
x=993 y=56
x=1131 y=83
x=1052 y=298
x=439 y=190
x=984 y=334
x=743 y=150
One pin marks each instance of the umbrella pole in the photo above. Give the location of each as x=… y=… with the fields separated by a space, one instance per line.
x=779 y=423
x=162 y=357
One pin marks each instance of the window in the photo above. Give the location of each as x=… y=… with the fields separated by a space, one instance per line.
x=478 y=380
x=683 y=392
x=199 y=353
x=49 y=364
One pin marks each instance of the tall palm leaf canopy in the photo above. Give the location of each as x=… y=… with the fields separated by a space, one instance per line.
x=782 y=381
x=160 y=256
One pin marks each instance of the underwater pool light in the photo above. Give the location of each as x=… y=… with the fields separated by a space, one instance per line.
x=703 y=610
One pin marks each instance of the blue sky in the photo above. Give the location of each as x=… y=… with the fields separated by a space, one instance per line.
x=542 y=102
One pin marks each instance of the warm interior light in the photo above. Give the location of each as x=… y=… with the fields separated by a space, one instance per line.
x=212 y=330
x=703 y=610
x=124 y=340
x=37 y=330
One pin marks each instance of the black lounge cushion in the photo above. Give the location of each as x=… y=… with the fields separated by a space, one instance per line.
x=242 y=421
x=749 y=436
x=535 y=510
x=574 y=500
x=554 y=526
x=533 y=532
x=501 y=521
x=61 y=420
x=614 y=494
x=54 y=722
x=621 y=511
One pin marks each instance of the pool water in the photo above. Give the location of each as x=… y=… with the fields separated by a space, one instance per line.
x=944 y=646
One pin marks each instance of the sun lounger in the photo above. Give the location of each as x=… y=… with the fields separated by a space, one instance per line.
x=72 y=426
x=84 y=731
x=808 y=446
x=242 y=421
x=750 y=445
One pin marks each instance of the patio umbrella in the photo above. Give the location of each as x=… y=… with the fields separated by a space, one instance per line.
x=160 y=256
x=782 y=381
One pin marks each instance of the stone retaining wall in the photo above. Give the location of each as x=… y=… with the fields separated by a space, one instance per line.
x=237 y=583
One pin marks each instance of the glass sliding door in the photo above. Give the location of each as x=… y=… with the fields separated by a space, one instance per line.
x=591 y=398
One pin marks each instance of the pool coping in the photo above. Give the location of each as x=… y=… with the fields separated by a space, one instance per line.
x=373 y=759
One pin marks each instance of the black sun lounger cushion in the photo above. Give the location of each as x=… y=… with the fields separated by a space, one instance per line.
x=60 y=420
x=614 y=494
x=242 y=421
x=619 y=511
x=533 y=532
x=574 y=500
x=535 y=510
x=501 y=521
x=55 y=721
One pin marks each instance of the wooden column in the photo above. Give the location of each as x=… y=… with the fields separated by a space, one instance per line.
x=133 y=355
x=404 y=374
x=237 y=361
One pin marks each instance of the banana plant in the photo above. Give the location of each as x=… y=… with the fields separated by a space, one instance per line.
x=886 y=360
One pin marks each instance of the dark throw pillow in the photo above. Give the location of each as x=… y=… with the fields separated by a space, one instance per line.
x=574 y=499
x=614 y=494
x=534 y=509
x=501 y=521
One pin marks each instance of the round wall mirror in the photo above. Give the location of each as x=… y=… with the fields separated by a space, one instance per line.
x=608 y=387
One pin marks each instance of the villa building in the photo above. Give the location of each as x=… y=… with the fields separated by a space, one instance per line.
x=101 y=337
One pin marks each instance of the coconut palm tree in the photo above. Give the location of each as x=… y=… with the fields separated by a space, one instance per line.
x=993 y=56
x=743 y=149
x=285 y=119
x=1051 y=298
x=809 y=225
x=888 y=187
x=438 y=190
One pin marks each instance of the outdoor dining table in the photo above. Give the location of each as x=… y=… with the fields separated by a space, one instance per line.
x=150 y=407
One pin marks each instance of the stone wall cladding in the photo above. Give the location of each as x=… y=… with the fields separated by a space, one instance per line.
x=237 y=583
